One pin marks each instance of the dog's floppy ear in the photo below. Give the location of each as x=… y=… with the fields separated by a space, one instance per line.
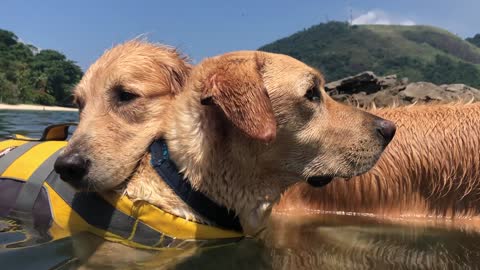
x=236 y=86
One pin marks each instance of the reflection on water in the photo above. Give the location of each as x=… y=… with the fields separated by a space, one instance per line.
x=325 y=242
x=339 y=242
x=31 y=123
x=23 y=247
x=307 y=242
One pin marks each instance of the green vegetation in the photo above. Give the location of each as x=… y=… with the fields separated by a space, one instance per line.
x=474 y=40
x=28 y=75
x=421 y=53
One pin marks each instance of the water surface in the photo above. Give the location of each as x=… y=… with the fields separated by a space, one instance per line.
x=302 y=242
x=31 y=123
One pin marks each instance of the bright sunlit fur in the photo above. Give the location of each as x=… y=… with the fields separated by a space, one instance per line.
x=431 y=170
x=239 y=126
x=255 y=135
x=114 y=136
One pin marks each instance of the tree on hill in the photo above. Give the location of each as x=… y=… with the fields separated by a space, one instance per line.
x=421 y=53
x=31 y=76
x=475 y=40
x=7 y=38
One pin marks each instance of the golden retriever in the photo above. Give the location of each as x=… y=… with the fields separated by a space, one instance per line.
x=250 y=124
x=429 y=173
x=243 y=128
x=246 y=126
x=122 y=100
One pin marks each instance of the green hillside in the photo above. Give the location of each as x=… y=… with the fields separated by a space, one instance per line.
x=29 y=75
x=474 y=40
x=421 y=53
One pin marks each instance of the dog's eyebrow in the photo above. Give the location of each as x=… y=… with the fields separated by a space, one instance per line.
x=317 y=78
x=313 y=79
x=321 y=81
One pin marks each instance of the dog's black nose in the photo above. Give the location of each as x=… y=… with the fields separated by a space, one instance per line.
x=71 y=167
x=386 y=129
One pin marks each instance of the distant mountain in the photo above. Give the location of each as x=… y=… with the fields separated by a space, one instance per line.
x=29 y=75
x=421 y=53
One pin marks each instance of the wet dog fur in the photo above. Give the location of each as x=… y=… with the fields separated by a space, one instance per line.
x=429 y=173
x=243 y=128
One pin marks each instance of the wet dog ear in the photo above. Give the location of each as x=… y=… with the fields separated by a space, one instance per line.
x=235 y=85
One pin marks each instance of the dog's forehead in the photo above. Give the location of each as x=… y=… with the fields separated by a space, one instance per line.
x=282 y=71
x=284 y=64
x=139 y=68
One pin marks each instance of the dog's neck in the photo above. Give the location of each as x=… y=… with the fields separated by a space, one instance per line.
x=227 y=172
x=147 y=185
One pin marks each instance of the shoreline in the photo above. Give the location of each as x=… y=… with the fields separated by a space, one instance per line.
x=31 y=107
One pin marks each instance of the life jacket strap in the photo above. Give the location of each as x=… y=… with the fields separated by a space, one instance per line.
x=29 y=193
x=13 y=155
x=42 y=194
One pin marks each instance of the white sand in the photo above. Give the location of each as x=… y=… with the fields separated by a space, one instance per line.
x=26 y=107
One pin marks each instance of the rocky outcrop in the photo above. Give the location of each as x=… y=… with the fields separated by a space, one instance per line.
x=366 y=89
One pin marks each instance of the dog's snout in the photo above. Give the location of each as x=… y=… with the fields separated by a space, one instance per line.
x=72 y=167
x=386 y=129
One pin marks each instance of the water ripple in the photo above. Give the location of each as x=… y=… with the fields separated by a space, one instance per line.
x=31 y=123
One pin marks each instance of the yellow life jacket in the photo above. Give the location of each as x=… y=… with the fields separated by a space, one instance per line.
x=30 y=188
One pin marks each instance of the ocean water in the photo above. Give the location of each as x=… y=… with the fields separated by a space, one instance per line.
x=288 y=242
x=31 y=123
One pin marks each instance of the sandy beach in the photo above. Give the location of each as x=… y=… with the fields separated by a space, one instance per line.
x=28 y=107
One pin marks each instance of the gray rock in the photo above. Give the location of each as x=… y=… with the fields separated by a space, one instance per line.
x=423 y=91
x=363 y=82
x=388 y=81
x=463 y=90
x=366 y=88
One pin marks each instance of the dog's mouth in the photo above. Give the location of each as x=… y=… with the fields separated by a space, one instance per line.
x=319 y=181
x=84 y=183
x=122 y=186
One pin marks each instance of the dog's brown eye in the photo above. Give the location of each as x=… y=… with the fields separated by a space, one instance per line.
x=313 y=94
x=125 y=96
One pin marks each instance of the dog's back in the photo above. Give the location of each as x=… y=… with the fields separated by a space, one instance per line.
x=431 y=169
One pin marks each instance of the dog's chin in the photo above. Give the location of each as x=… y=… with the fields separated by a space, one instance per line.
x=88 y=185
x=319 y=181
x=94 y=182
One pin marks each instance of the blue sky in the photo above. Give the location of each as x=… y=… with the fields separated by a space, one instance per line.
x=84 y=29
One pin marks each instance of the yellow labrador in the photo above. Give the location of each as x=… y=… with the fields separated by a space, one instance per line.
x=250 y=124
x=122 y=100
x=245 y=127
